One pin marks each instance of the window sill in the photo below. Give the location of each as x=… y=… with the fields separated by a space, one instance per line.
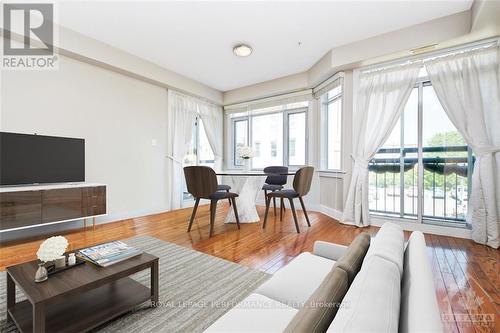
x=332 y=173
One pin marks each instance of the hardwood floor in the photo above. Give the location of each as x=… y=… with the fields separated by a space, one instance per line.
x=466 y=274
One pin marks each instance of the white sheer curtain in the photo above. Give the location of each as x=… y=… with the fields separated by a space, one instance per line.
x=467 y=85
x=181 y=116
x=381 y=99
x=212 y=117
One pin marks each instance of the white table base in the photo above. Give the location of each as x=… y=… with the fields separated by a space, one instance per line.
x=248 y=189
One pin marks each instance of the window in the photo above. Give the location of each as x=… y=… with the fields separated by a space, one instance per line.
x=331 y=128
x=267 y=130
x=204 y=151
x=296 y=138
x=424 y=154
x=240 y=134
x=278 y=135
x=199 y=151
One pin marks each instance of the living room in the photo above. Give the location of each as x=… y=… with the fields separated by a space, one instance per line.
x=230 y=166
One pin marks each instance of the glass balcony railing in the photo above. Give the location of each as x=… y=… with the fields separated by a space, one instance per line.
x=394 y=175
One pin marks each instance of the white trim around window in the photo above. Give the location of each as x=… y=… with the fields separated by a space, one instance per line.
x=286 y=114
x=328 y=97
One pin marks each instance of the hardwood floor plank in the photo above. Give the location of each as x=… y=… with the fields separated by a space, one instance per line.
x=459 y=266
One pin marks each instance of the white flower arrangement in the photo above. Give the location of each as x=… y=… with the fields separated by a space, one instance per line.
x=246 y=152
x=52 y=248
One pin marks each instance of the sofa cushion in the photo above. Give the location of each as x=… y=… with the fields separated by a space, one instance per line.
x=321 y=307
x=388 y=244
x=256 y=313
x=353 y=257
x=297 y=281
x=372 y=302
x=419 y=309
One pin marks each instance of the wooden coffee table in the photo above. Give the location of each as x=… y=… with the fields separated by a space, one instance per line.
x=79 y=298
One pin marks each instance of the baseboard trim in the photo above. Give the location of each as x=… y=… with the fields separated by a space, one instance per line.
x=425 y=228
x=331 y=212
x=110 y=218
x=406 y=225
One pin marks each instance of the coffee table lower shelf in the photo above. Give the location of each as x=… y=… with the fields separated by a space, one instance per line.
x=84 y=311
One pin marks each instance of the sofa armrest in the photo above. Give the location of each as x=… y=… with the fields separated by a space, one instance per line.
x=329 y=250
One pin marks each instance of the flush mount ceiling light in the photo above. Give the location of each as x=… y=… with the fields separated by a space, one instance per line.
x=242 y=50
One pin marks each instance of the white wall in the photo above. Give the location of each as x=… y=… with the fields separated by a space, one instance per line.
x=85 y=49
x=118 y=117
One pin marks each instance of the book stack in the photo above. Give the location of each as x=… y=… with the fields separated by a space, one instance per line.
x=107 y=254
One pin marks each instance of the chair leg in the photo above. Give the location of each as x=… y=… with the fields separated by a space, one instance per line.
x=213 y=208
x=236 y=212
x=268 y=203
x=228 y=199
x=193 y=214
x=274 y=203
x=305 y=211
x=282 y=209
x=292 y=207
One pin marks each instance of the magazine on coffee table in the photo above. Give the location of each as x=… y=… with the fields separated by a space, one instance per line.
x=108 y=254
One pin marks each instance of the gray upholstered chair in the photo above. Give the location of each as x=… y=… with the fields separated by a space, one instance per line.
x=274 y=182
x=301 y=186
x=201 y=183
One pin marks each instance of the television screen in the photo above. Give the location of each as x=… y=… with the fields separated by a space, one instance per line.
x=32 y=159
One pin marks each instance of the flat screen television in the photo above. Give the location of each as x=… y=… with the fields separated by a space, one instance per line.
x=36 y=159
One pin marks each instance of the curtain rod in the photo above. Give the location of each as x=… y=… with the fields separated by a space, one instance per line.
x=421 y=58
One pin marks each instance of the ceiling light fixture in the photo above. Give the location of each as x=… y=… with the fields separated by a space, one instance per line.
x=242 y=50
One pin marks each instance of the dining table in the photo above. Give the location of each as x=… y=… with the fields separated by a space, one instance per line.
x=247 y=184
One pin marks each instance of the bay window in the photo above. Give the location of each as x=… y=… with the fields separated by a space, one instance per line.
x=277 y=134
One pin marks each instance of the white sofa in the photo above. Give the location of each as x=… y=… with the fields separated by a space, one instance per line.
x=393 y=291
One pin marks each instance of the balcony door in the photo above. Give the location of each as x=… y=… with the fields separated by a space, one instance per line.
x=423 y=171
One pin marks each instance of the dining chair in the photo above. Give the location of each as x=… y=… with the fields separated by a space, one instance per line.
x=301 y=186
x=201 y=183
x=226 y=188
x=274 y=182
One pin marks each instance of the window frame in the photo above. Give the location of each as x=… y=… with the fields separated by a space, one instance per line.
x=286 y=136
x=285 y=119
x=233 y=138
x=196 y=136
x=324 y=103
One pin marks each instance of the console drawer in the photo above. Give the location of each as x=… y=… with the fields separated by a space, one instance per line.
x=94 y=200
x=61 y=204
x=20 y=209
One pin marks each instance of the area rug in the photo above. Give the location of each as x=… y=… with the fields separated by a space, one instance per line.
x=195 y=290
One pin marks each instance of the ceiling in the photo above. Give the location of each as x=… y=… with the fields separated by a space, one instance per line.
x=195 y=39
